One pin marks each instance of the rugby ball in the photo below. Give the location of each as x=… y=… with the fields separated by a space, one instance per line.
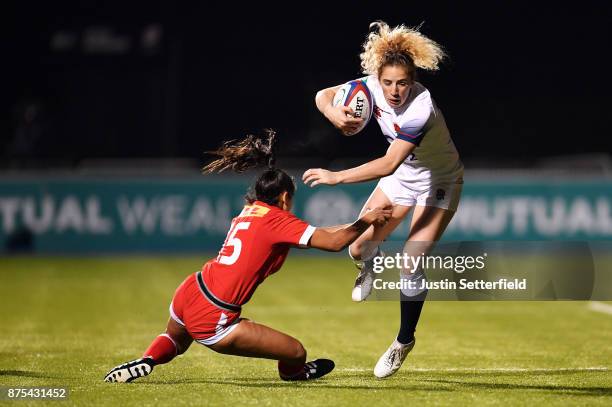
x=357 y=96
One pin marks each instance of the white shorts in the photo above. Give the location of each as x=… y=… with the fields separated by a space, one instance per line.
x=442 y=195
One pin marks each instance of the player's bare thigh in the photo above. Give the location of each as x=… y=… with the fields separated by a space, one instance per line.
x=429 y=223
x=427 y=226
x=255 y=340
x=378 y=233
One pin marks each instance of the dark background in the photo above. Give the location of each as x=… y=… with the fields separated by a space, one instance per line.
x=523 y=81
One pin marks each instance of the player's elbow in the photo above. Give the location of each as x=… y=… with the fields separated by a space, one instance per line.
x=326 y=94
x=320 y=96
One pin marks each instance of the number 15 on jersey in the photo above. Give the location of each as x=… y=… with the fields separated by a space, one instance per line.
x=234 y=242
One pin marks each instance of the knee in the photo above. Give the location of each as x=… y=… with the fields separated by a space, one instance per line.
x=181 y=339
x=182 y=345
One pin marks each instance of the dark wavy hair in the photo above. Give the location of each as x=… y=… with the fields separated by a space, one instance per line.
x=251 y=152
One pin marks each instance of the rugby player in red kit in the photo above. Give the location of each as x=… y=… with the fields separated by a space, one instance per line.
x=206 y=307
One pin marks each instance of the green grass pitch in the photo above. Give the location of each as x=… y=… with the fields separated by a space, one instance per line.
x=67 y=321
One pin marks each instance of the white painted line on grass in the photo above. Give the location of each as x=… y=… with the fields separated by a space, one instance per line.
x=494 y=369
x=600 y=307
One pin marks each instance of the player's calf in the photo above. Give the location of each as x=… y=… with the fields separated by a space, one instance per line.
x=162 y=350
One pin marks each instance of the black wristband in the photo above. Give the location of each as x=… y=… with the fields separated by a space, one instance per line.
x=360 y=225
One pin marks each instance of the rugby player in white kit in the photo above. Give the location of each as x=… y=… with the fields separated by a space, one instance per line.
x=420 y=172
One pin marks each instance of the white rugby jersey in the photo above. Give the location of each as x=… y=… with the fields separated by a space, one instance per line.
x=419 y=121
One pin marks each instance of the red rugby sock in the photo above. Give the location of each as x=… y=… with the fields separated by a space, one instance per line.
x=162 y=349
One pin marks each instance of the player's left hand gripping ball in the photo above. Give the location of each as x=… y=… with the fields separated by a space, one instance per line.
x=316 y=176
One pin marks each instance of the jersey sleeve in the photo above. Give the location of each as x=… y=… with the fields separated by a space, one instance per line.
x=409 y=133
x=284 y=227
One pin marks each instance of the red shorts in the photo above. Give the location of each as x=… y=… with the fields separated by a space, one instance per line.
x=205 y=322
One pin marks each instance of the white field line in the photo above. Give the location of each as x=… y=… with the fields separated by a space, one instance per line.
x=600 y=307
x=494 y=369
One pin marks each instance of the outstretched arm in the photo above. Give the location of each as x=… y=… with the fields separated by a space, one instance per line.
x=378 y=168
x=336 y=238
x=332 y=229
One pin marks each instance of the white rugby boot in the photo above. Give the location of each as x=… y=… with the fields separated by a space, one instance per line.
x=365 y=279
x=129 y=371
x=392 y=359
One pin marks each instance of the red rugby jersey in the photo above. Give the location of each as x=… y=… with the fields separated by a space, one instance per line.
x=255 y=247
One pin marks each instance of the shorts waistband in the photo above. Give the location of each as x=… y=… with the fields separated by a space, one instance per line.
x=211 y=297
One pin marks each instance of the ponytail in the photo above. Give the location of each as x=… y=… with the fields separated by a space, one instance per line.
x=241 y=155
x=250 y=152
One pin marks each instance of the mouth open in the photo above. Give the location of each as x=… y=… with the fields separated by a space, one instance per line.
x=394 y=102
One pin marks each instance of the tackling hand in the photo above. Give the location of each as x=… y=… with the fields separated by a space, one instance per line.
x=378 y=216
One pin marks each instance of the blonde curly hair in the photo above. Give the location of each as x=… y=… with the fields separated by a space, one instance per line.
x=399 y=46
